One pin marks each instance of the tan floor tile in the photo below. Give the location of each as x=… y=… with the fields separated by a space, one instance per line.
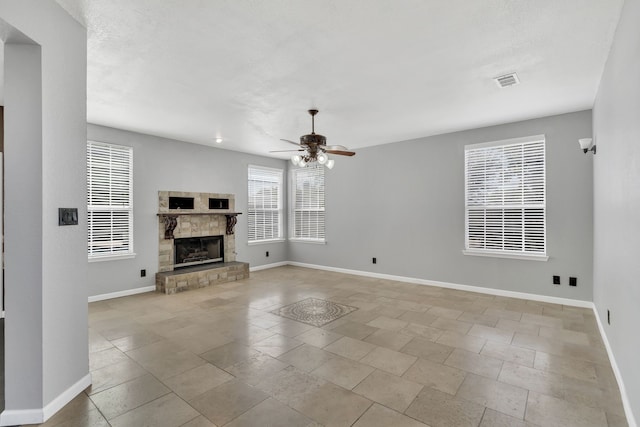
x=270 y=412
x=137 y=340
x=389 y=360
x=196 y=381
x=276 y=345
x=170 y=364
x=616 y=421
x=124 y=397
x=332 y=405
x=509 y=353
x=479 y=319
x=532 y=379
x=475 y=363
x=354 y=330
x=290 y=328
x=97 y=342
x=438 y=409
x=109 y=356
x=290 y=385
x=541 y=320
x=515 y=326
x=465 y=342
x=350 y=348
x=167 y=411
x=451 y=325
x=387 y=323
x=503 y=314
x=199 y=421
x=426 y=349
x=584 y=393
x=318 y=337
x=379 y=416
x=493 y=418
x=229 y=354
x=447 y=313
x=436 y=375
x=505 y=398
x=565 y=335
x=553 y=412
x=256 y=368
x=491 y=334
x=426 y=332
x=227 y=401
x=306 y=357
x=343 y=372
x=389 y=339
x=424 y=319
x=112 y=375
x=154 y=350
x=389 y=390
x=566 y=366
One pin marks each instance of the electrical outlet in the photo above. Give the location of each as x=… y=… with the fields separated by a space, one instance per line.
x=608 y=317
x=375 y=260
x=267 y=254
x=573 y=281
x=143 y=273
x=556 y=280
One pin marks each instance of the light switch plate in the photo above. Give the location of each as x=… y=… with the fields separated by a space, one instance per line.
x=67 y=216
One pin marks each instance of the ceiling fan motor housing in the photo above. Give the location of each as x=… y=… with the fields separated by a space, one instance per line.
x=313 y=139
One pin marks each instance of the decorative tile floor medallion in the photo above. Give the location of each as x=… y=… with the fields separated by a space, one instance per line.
x=314 y=311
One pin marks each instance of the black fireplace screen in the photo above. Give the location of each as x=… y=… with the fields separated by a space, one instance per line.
x=198 y=250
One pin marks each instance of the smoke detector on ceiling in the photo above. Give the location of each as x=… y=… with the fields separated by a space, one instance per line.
x=510 y=79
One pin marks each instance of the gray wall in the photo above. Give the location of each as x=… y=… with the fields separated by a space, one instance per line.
x=163 y=164
x=45 y=265
x=404 y=204
x=616 y=180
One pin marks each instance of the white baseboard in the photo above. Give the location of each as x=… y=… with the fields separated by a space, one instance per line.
x=616 y=371
x=267 y=266
x=119 y=294
x=469 y=288
x=36 y=416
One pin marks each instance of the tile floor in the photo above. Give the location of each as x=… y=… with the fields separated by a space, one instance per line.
x=409 y=356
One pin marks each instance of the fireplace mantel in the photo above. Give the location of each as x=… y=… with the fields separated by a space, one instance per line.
x=171 y=220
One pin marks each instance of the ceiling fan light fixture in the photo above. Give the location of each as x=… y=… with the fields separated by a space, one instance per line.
x=322 y=158
x=330 y=163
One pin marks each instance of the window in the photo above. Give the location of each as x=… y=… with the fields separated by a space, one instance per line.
x=308 y=204
x=505 y=198
x=265 y=204
x=109 y=200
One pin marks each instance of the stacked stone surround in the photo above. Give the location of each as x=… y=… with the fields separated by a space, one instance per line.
x=197 y=222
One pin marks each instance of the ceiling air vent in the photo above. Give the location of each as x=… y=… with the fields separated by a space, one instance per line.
x=507 y=80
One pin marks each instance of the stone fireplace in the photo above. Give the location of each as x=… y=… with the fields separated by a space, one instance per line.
x=196 y=241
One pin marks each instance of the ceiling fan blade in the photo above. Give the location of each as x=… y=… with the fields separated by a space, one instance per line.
x=336 y=148
x=286 y=151
x=341 y=152
x=290 y=142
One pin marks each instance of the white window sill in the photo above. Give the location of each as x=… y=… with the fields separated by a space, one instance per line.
x=315 y=242
x=264 y=242
x=112 y=257
x=499 y=254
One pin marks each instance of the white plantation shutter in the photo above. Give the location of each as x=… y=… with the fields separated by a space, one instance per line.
x=308 y=204
x=505 y=197
x=265 y=204
x=109 y=200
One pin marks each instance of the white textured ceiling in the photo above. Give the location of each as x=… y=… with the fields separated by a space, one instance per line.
x=379 y=71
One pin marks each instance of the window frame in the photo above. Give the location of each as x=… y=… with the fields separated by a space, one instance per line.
x=293 y=201
x=108 y=256
x=513 y=254
x=280 y=208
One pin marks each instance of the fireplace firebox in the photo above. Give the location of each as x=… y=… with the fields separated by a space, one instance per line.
x=198 y=250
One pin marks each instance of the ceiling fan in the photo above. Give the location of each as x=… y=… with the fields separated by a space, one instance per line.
x=315 y=148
